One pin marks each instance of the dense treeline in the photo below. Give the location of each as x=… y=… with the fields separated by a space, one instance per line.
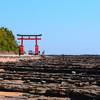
x=7 y=41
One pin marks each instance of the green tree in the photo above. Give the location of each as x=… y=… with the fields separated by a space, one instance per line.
x=7 y=40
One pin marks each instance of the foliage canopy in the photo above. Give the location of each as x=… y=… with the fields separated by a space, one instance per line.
x=7 y=41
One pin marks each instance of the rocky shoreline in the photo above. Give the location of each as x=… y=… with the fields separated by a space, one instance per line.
x=52 y=78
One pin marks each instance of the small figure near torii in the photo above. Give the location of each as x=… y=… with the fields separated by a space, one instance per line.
x=43 y=53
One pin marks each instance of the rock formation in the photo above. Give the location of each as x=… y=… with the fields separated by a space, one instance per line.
x=60 y=77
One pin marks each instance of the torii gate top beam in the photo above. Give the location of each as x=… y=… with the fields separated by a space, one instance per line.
x=28 y=35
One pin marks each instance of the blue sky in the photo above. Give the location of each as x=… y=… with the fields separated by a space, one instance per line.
x=68 y=26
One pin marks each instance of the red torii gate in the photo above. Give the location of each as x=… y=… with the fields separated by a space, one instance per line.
x=29 y=37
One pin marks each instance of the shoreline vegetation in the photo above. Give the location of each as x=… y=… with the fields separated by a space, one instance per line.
x=8 y=44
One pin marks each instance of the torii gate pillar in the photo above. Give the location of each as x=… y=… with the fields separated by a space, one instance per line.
x=36 y=46
x=21 y=50
x=21 y=47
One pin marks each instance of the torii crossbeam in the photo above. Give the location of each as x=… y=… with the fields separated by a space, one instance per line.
x=28 y=37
